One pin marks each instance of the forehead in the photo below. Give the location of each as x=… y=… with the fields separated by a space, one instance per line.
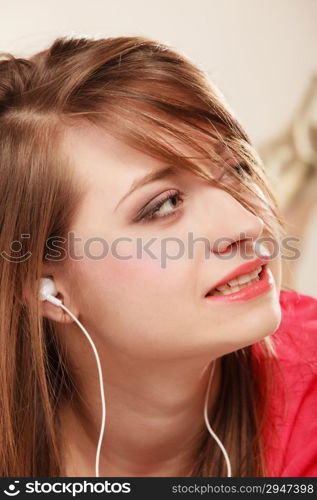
x=97 y=156
x=101 y=160
x=108 y=167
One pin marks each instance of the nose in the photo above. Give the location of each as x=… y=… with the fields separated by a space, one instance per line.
x=237 y=224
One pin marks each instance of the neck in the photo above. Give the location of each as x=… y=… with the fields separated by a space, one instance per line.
x=154 y=417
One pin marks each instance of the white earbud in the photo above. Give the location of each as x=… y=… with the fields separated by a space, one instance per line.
x=48 y=291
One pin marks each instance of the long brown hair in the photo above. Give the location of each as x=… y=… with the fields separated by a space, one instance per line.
x=144 y=93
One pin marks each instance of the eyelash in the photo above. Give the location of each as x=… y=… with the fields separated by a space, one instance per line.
x=242 y=169
x=149 y=215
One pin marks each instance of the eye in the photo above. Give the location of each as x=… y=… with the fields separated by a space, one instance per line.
x=242 y=169
x=166 y=206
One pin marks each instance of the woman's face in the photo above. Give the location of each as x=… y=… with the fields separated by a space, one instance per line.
x=145 y=296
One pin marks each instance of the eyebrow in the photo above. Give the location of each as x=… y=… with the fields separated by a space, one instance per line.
x=151 y=177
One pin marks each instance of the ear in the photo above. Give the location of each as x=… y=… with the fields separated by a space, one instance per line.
x=57 y=313
x=54 y=312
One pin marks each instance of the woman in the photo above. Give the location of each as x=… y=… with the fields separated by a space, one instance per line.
x=119 y=161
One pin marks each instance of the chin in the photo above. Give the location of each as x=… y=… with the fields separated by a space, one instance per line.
x=263 y=321
x=258 y=323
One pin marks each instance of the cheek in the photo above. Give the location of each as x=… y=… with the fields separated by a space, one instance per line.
x=135 y=294
x=133 y=266
x=134 y=280
x=134 y=274
x=133 y=304
x=136 y=269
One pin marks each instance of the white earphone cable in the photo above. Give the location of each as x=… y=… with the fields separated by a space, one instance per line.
x=102 y=392
x=223 y=449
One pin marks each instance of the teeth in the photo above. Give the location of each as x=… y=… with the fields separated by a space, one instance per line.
x=244 y=278
x=238 y=283
x=247 y=277
x=233 y=282
x=222 y=288
x=231 y=290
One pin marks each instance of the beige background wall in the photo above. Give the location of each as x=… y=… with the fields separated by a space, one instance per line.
x=261 y=53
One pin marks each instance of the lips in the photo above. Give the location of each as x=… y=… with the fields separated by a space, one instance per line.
x=248 y=267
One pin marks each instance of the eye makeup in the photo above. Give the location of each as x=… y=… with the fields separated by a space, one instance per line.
x=148 y=213
x=174 y=197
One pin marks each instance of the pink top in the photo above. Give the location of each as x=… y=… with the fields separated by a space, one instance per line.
x=291 y=437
